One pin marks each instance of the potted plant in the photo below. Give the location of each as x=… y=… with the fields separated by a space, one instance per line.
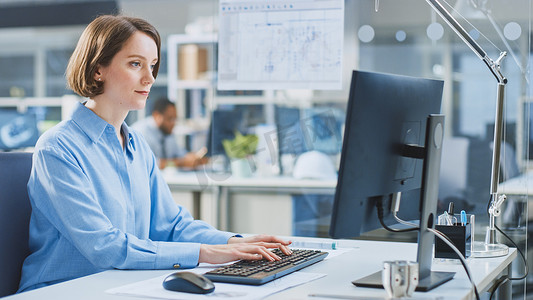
x=239 y=150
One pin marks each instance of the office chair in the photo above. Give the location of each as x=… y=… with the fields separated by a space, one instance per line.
x=15 y=213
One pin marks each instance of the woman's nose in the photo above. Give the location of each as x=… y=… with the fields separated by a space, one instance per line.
x=148 y=78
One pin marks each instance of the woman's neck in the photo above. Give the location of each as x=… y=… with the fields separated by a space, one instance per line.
x=109 y=114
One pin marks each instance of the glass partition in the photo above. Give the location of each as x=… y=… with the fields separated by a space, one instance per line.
x=275 y=188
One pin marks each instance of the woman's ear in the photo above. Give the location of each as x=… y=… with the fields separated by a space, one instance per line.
x=98 y=75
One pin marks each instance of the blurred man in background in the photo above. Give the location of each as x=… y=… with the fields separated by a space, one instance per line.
x=158 y=132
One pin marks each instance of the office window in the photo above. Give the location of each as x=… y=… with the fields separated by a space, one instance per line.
x=17 y=73
x=56 y=64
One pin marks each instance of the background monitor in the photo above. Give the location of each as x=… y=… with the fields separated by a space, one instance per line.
x=287 y=119
x=227 y=119
x=224 y=123
x=302 y=130
x=384 y=112
x=17 y=130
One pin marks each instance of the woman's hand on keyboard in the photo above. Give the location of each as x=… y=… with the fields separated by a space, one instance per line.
x=249 y=248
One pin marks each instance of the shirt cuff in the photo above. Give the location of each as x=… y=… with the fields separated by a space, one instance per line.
x=172 y=255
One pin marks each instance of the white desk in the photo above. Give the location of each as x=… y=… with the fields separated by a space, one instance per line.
x=340 y=270
x=223 y=185
x=520 y=185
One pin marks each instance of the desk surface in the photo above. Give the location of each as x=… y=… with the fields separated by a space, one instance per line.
x=204 y=179
x=340 y=270
x=222 y=185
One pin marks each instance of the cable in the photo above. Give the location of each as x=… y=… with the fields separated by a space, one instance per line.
x=526 y=272
x=526 y=267
x=395 y=207
x=403 y=222
x=445 y=239
x=516 y=246
x=379 y=208
x=499 y=283
x=488 y=205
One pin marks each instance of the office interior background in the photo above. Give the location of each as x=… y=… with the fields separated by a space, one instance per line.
x=403 y=37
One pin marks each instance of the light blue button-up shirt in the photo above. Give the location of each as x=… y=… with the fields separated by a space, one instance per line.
x=97 y=206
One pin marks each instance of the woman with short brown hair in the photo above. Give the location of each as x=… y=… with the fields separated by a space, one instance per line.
x=98 y=198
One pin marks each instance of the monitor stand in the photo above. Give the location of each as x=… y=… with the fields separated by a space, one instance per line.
x=430 y=189
x=424 y=284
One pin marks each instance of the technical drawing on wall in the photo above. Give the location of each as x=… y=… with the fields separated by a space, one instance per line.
x=267 y=45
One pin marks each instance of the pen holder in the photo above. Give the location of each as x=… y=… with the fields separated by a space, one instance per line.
x=461 y=237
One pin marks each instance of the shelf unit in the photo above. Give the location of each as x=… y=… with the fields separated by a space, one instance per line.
x=176 y=86
x=193 y=98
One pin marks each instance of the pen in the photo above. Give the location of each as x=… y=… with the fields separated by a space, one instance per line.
x=452 y=219
x=447 y=218
x=315 y=245
x=202 y=152
x=463 y=218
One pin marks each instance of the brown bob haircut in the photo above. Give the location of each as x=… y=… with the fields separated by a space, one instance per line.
x=98 y=44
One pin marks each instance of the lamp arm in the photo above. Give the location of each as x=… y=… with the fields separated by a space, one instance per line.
x=488 y=14
x=494 y=67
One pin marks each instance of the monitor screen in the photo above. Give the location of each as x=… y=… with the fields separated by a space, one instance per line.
x=302 y=130
x=384 y=113
x=227 y=119
x=17 y=130
x=224 y=123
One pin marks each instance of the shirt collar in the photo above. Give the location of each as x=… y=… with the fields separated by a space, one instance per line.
x=89 y=122
x=94 y=126
x=130 y=141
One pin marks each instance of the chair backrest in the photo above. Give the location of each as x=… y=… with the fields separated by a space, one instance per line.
x=15 y=211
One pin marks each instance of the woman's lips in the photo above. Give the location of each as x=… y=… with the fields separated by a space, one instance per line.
x=144 y=93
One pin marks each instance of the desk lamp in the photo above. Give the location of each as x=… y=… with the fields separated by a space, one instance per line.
x=490 y=247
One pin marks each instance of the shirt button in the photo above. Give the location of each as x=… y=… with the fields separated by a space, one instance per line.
x=176 y=266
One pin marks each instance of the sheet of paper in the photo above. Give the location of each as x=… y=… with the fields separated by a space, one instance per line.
x=333 y=253
x=153 y=288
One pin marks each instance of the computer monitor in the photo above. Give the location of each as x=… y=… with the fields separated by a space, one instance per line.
x=302 y=130
x=286 y=119
x=224 y=123
x=17 y=130
x=227 y=119
x=386 y=123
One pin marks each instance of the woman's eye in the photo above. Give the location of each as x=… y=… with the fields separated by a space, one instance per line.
x=152 y=67
x=136 y=64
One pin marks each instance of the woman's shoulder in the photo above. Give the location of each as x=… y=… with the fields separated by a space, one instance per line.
x=63 y=134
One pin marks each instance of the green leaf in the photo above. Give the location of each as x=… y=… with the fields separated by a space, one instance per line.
x=241 y=146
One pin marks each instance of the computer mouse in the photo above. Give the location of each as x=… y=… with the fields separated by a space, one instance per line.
x=188 y=282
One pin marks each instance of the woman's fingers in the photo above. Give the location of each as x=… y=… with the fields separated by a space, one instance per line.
x=285 y=250
x=246 y=250
x=280 y=246
x=262 y=238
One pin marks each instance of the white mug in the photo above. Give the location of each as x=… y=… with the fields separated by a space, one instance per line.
x=400 y=278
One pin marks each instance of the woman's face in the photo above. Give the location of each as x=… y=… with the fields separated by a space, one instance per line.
x=128 y=78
